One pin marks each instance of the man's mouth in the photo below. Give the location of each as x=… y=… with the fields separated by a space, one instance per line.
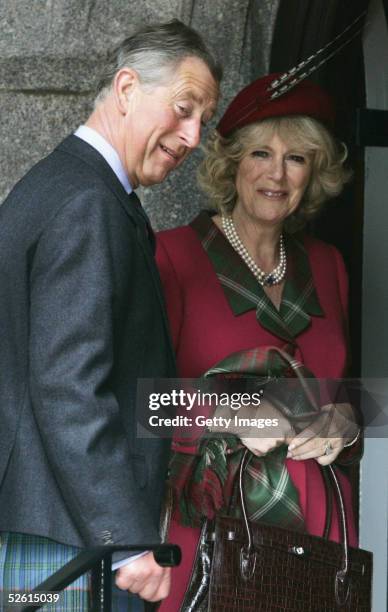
x=170 y=152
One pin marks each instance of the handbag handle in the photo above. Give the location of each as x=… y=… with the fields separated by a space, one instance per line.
x=342 y=584
x=248 y=556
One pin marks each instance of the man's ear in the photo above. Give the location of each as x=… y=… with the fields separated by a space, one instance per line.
x=125 y=82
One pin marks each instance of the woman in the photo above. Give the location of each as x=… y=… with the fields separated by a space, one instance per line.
x=240 y=278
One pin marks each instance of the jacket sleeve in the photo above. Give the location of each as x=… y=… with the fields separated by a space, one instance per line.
x=343 y=282
x=351 y=454
x=76 y=284
x=171 y=288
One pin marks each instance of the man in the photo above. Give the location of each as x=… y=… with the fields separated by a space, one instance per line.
x=82 y=316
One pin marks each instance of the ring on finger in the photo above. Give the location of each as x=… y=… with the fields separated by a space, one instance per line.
x=328 y=449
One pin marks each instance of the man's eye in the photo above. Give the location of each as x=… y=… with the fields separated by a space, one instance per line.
x=183 y=111
x=260 y=153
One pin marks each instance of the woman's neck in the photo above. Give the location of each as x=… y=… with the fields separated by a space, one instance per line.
x=261 y=242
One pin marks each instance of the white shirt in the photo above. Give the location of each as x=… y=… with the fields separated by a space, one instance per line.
x=110 y=155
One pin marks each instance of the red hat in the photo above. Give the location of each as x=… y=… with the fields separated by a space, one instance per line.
x=254 y=103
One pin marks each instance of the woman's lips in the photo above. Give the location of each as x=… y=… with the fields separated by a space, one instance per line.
x=272 y=194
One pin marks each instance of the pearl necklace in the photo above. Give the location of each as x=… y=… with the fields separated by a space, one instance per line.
x=265 y=279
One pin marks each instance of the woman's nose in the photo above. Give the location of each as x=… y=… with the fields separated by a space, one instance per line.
x=277 y=168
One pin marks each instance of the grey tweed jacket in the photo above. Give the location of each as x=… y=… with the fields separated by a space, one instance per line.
x=81 y=318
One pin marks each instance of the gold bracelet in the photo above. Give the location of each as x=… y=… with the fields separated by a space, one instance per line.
x=355 y=439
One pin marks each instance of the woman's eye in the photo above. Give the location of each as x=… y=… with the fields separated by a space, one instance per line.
x=299 y=159
x=260 y=153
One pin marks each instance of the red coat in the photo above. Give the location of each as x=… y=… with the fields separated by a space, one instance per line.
x=205 y=329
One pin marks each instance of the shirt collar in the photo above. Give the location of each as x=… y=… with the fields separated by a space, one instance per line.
x=244 y=293
x=98 y=142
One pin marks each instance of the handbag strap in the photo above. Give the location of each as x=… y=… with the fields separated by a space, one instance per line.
x=248 y=560
x=236 y=495
x=342 y=582
x=329 y=503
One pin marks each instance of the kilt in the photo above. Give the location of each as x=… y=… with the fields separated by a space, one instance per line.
x=27 y=560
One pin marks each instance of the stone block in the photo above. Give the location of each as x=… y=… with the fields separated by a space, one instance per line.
x=36 y=124
x=50 y=56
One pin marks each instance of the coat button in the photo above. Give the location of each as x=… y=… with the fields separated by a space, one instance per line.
x=107 y=537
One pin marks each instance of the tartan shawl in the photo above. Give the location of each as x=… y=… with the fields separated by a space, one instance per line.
x=203 y=482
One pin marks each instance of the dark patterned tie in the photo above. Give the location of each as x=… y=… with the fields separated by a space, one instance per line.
x=143 y=219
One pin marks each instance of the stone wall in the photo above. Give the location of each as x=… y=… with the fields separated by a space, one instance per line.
x=50 y=52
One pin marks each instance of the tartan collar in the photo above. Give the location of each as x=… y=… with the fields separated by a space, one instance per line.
x=244 y=293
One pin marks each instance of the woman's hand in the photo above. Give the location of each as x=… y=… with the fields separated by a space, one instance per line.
x=326 y=437
x=261 y=441
x=260 y=428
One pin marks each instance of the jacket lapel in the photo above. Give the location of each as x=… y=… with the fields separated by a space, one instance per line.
x=300 y=299
x=88 y=155
x=244 y=293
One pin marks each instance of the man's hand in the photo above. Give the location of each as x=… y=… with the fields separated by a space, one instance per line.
x=145 y=577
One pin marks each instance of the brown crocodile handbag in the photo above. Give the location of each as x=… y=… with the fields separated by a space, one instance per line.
x=243 y=566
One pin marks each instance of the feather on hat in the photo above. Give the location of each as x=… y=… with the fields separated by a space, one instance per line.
x=289 y=93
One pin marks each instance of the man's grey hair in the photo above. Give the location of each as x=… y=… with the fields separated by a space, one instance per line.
x=155 y=52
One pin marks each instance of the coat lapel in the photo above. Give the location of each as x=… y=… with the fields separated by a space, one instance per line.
x=300 y=299
x=244 y=293
x=87 y=154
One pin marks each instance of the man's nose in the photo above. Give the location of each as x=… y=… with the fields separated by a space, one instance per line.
x=191 y=132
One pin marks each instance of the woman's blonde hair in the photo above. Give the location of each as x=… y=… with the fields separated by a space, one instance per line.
x=217 y=172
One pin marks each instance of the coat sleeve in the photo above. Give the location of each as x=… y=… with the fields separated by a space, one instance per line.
x=352 y=454
x=171 y=288
x=343 y=282
x=76 y=285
